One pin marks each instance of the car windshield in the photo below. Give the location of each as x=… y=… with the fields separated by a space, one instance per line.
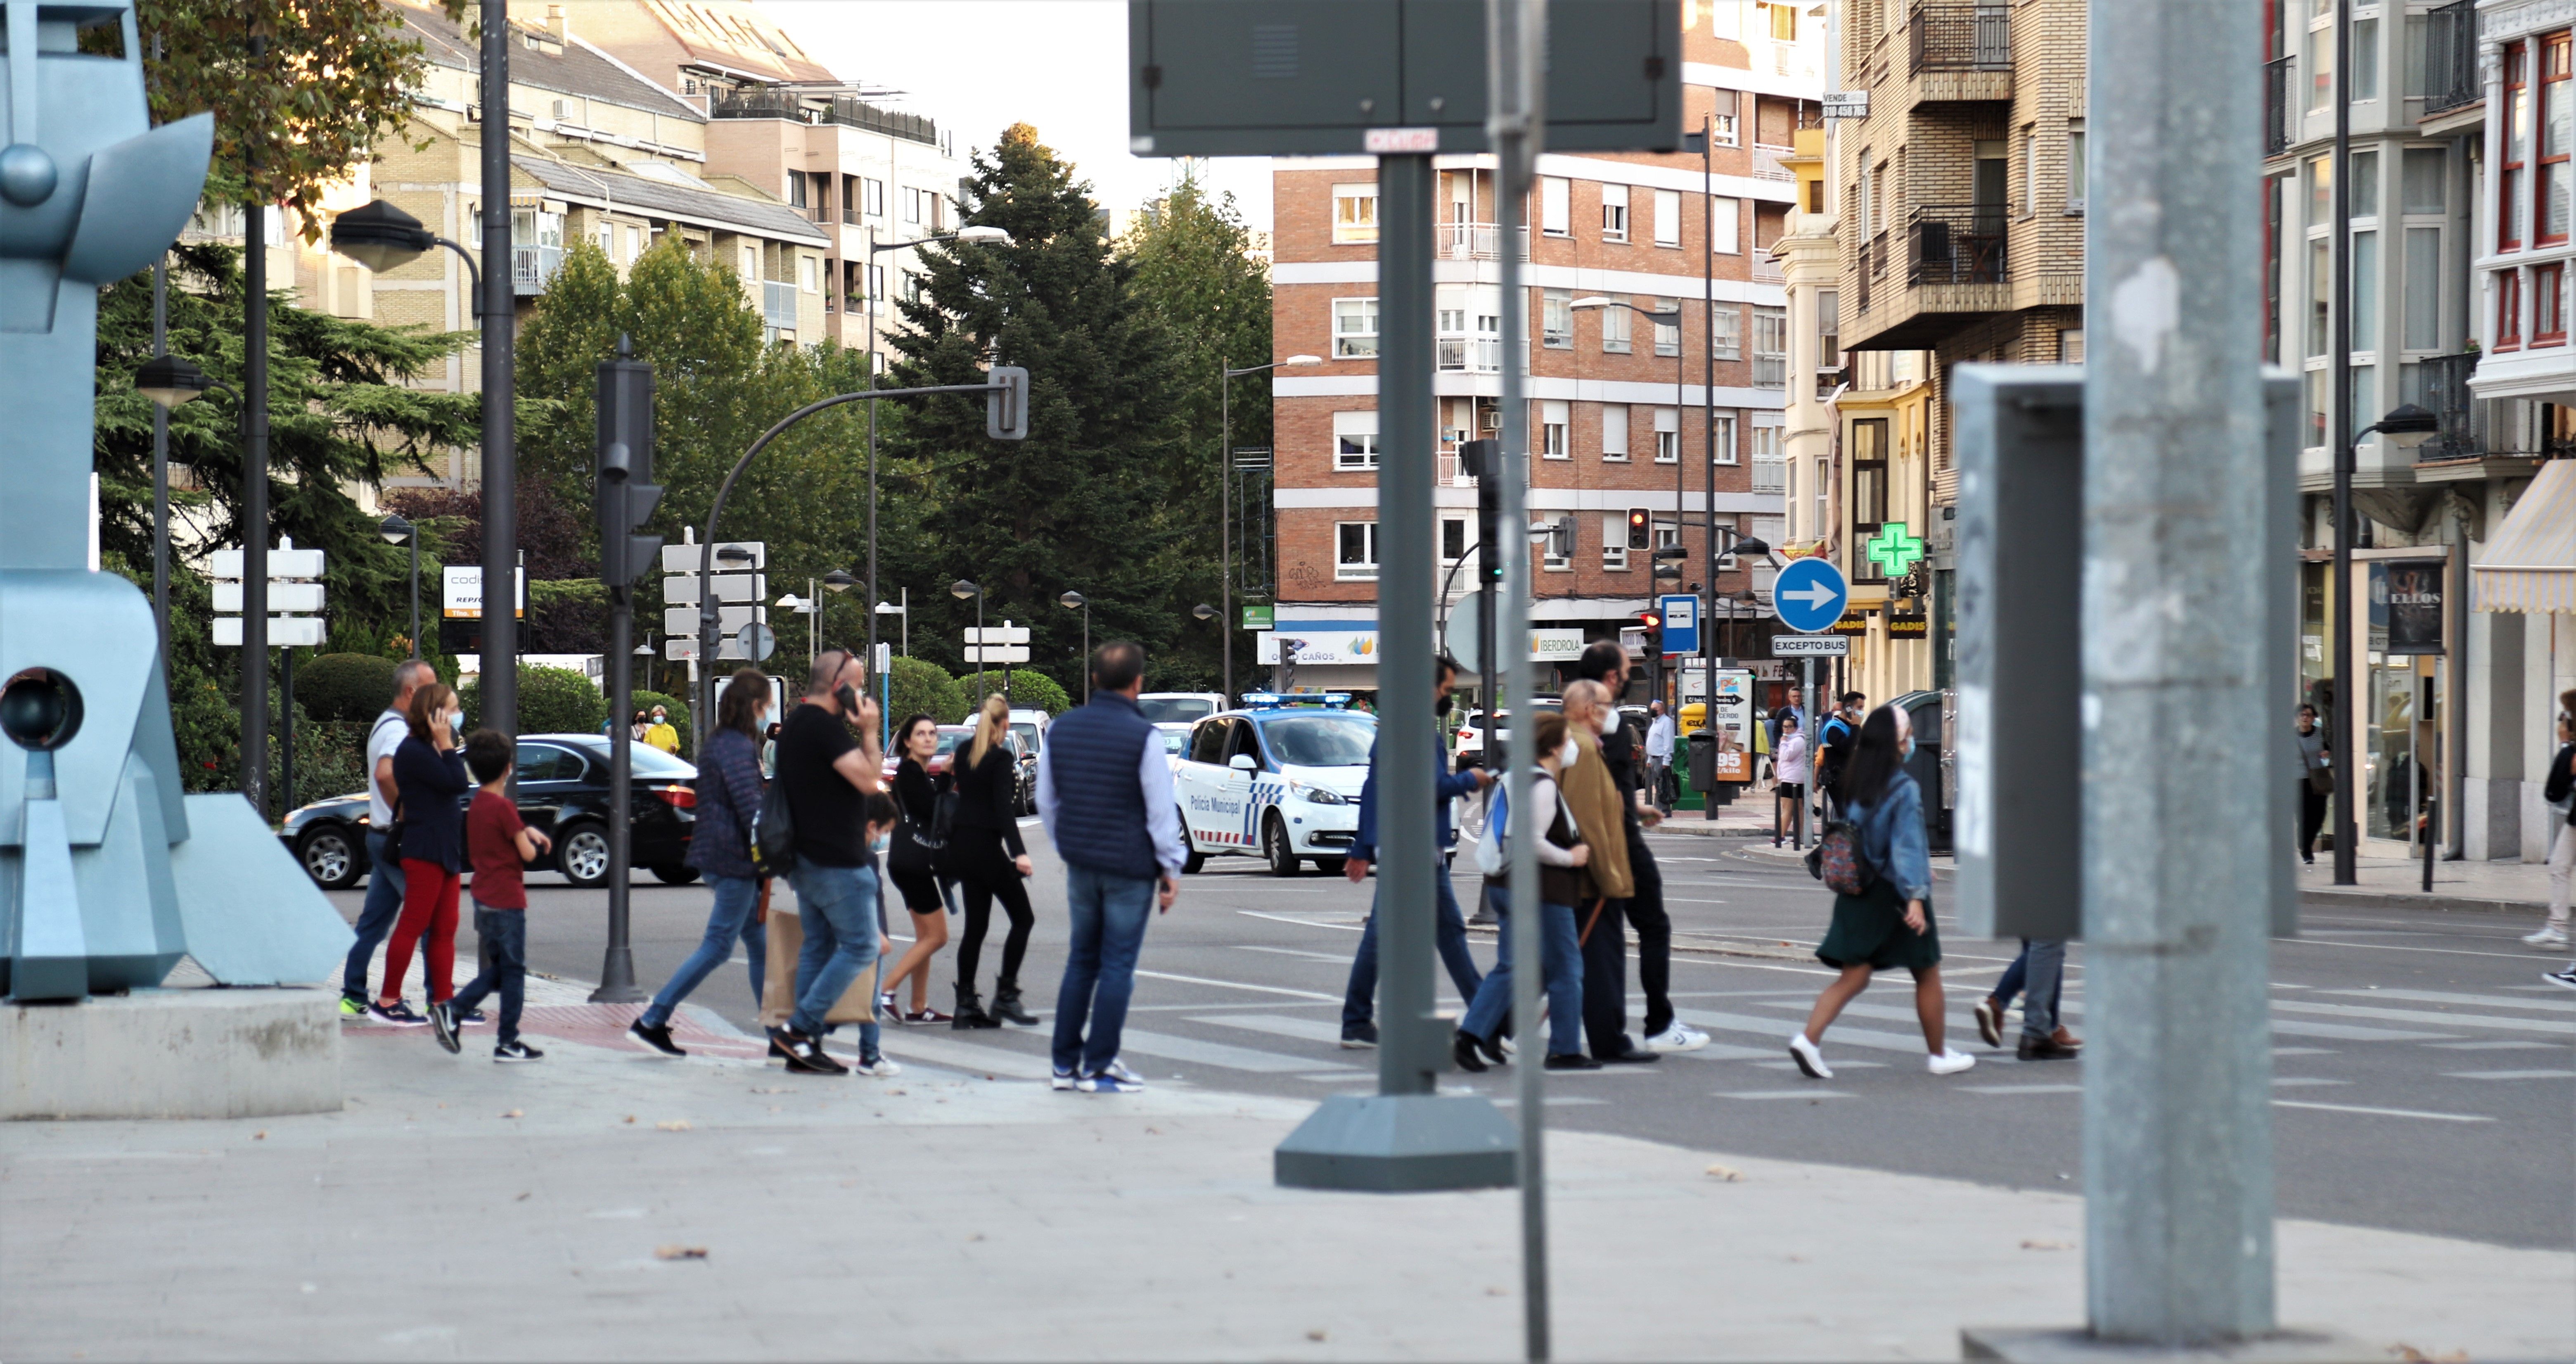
x=650 y=763
x=1335 y=740
x=1028 y=736
x=1166 y=709
x=1174 y=740
x=950 y=736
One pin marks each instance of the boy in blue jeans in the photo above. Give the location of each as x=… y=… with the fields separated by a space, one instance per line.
x=498 y=845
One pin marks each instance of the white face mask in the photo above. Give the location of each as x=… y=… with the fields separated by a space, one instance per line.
x=1569 y=755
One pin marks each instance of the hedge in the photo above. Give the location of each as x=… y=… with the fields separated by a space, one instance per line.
x=355 y=687
x=916 y=687
x=551 y=701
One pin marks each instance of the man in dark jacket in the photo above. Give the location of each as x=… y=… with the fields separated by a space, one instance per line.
x=1835 y=740
x=1105 y=794
x=1359 y=1002
x=1605 y=986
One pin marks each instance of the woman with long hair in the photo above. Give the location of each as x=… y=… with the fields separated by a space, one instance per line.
x=989 y=861
x=429 y=776
x=729 y=793
x=1889 y=923
x=913 y=861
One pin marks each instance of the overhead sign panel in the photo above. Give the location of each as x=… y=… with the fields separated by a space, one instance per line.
x=1327 y=77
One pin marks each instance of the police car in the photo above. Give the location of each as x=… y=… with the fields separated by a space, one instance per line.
x=1279 y=778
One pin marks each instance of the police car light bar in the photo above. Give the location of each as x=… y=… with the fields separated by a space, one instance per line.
x=1271 y=700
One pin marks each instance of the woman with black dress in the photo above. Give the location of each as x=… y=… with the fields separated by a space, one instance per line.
x=987 y=858
x=913 y=862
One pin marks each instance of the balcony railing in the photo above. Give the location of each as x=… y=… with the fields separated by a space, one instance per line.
x=2277 y=115
x=1959 y=245
x=1476 y=241
x=1768 y=270
x=1470 y=354
x=1766 y=163
x=2446 y=392
x=531 y=267
x=1452 y=475
x=1962 y=35
x=778 y=304
x=840 y=109
x=1770 y=475
x=2451 y=57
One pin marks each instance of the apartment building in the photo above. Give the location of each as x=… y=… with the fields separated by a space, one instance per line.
x=866 y=177
x=1619 y=411
x=2457 y=251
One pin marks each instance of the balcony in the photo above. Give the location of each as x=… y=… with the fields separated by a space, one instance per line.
x=1961 y=49
x=532 y=268
x=1476 y=241
x=1770 y=475
x=840 y=109
x=2279 y=118
x=1767 y=269
x=1452 y=475
x=2446 y=392
x=1470 y=354
x=778 y=304
x=2451 y=57
x=1766 y=163
x=1957 y=272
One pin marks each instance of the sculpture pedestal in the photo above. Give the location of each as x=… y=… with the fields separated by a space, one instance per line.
x=172 y=1054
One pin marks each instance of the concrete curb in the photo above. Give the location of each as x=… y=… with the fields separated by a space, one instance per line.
x=2348 y=898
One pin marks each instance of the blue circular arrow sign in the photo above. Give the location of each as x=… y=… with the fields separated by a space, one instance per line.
x=1809 y=595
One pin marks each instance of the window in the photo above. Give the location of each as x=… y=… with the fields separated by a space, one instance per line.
x=2319 y=64
x=915 y=204
x=1355 y=554
x=1354 y=328
x=2316 y=393
x=2320 y=296
x=2423 y=180
x=2030 y=168
x=810 y=274
x=1555 y=207
x=2365 y=291
x=876 y=281
x=1556 y=318
x=1453 y=540
x=1724 y=21
x=1766 y=445
x=1614 y=431
x=2548 y=304
x=2423 y=288
x=1815 y=196
x=2365 y=59
x=1668 y=335
x=1668 y=435
x=608 y=240
x=1725 y=218
x=2556 y=133
x=1354 y=215
x=911 y=286
x=1354 y=440
x=1614 y=213
x=634 y=242
x=1726 y=331
x=2321 y=191
x=1784 y=23
x=1614 y=329
x=2365 y=184
x=1614 y=541
x=2417 y=26
x=2070 y=346
x=1553 y=418
x=1549 y=560
x=2516 y=141
x=2508 y=294
x=1820 y=483
x=872 y=198
x=2075 y=171
x=1770 y=347
x=750 y=263
x=796 y=188
x=1829 y=339
x=1668 y=217
x=2365 y=395
x=1722 y=124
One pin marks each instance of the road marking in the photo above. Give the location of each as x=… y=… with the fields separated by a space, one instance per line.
x=967 y=1056
x=2299 y=1081
x=1552 y=1100
x=1792 y=1065
x=2448 y=1020
x=1343 y=1077
x=2304 y=1051
x=2495 y=1046
x=2023 y=1089
x=2381 y=1112
x=2509 y=1075
x=2394 y=947
x=1787 y=1094
x=2342 y=1032
x=1279 y=1025
x=1727 y=1051
x=1294 y=952
x=1770 y=1027
x=1356 y=925
x=2556 y=1006
x=1191 y=1049
x=1239 y=985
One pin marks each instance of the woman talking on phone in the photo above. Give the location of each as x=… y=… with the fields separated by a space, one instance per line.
x=429 y=777
x=913 y=860
x=989 y=861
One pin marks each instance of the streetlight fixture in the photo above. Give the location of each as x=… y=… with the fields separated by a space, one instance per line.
x=1203 y=610
x=961 y=590
x=1225 y=489
x=1075 y=601
x=168 y=380
x=382 y=237
x=887 y=608
x=398 y=531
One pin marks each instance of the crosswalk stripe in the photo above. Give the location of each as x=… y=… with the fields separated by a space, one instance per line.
x=1279 y=1025
x=2447 y=1020
x=2023 y=1089
x=1191 y=1049
x=1787 y=1094
x=2382 y=1112
x=2555 y=1006
x=2509 y=1075
x=2292 y=1027
x=1770 y=1028
x=907 y=1045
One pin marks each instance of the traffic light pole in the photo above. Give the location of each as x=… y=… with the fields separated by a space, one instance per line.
x=626 y=501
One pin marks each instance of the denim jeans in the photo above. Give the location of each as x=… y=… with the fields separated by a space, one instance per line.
x=384 y=905
x=1109 y=916
x=1560 y=965
x=501 y=947
x=1359 y=1002
x=2041 y=968
x=729 y=920
x=837 y=908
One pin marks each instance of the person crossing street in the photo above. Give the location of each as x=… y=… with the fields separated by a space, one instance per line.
x=1561 y=880
x=1606 y=664
x=1359 y=999
x=1600 y=812
x=729 y=793
x=829 y=766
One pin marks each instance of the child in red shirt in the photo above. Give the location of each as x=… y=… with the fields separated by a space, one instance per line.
x=497 y=845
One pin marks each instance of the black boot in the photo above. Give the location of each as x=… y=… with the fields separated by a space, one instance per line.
x=970 y=1010
x=1006 y=1004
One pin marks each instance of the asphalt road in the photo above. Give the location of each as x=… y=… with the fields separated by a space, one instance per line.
x=2425 y=1078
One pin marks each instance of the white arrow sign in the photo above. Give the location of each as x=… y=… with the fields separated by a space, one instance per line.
x=1817 y=595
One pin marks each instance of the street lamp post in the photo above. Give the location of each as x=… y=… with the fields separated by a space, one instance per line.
x=887 y=608
x=1075 y=601
x=1681 y=392
x=961 y=590
x=1225 y=492
x=397 y=531
x=837 y=582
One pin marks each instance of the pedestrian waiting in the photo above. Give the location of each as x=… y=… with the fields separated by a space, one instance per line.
x=729 y=793
x=1789 y=783
x=661 y=733
x=991 y=863
x=499 y=845
x=920 y=837
x=384 y=851
x=2558 y=788
x=1887 y=922
x=1562 y=884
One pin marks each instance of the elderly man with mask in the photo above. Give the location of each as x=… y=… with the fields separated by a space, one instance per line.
x=1601 y=813
x=1643 y=909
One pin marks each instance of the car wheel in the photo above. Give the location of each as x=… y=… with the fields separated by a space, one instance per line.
x=581 y=854
x=1193 y=861
x=1330 y=866
x=329 y=856
x=676 y=876
x=1275 y=847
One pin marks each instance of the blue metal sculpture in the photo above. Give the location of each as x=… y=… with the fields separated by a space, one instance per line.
x=108 y=874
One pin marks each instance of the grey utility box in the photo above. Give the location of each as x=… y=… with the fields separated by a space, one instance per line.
x=2019 y=825
x=1324 y=77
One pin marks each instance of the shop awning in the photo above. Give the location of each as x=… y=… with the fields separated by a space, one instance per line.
x=2530 y=565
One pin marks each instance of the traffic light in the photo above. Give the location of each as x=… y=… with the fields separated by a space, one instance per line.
x=1641 y=529
x=1482 y=460
x=1654 y=640
x=1006 y=407
x=625 y=493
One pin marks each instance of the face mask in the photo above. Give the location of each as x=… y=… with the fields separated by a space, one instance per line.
x=1609 y=723
x=1905 y=750
x=1442 y=708
x=1569 y=755
x=455 y=720
x=881 y=842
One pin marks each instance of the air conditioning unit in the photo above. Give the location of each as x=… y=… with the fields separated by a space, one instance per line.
x=1490 y=419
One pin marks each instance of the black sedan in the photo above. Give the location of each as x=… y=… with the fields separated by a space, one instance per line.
x=563 y=790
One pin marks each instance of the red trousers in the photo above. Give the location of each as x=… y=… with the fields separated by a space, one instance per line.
x=429 y=906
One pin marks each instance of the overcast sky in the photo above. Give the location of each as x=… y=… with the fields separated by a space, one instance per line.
x=979 y=66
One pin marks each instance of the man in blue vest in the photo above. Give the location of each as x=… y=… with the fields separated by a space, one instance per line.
x=1105 y=794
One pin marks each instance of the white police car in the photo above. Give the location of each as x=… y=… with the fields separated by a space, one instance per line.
x=1280 y=777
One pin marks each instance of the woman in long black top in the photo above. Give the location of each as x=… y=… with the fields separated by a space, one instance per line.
x=429 y=782
x=987 y=858
x=913 y=864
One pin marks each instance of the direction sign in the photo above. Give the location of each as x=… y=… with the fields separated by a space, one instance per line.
x=756 y=640
x=1004 y=633
x=1680 y=612
x=1811 y=646
x=1809 y=594
x=997 y=653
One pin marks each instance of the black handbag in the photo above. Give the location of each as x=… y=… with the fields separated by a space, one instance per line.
x=916 y=843
x=773 y=834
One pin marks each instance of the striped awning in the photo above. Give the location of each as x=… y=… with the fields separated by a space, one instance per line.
x=2530 y=565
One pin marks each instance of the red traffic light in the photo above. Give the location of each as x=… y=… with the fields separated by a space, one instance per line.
x=1650 y=619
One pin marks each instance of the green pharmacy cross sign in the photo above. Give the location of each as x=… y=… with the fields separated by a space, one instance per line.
x=1894 y=550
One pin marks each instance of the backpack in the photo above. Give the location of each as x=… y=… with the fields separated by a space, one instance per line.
x=1837 y=860
x=773 y=834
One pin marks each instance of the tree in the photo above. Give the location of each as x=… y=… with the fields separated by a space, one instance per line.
x=1086 y=501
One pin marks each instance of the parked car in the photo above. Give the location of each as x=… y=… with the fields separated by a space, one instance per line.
x=1279 y=778
x=1180 y=707
x=563 y=790
x=1472 y=731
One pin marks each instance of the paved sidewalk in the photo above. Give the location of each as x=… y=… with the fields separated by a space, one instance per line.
x=458 y=1209
x=2398 y=883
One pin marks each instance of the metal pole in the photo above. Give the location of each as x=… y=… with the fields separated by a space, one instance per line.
x=161 y=454
x=1515 y=52
x=286 y=721
x=415 y=591
x=2178 y=856
x=872 y=542
x=617 y=968
x=1086 y=653
x=1806 y=726
x=254 y=528
x=2339 y=423
x=1225 y=517
x=500 y=458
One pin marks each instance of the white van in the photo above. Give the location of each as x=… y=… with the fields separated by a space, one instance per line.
x=1180 y=707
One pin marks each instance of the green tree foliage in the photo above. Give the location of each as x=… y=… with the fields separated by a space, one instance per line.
x=353 y=687
x=919 y=687
x=1086 y=501
x=300 y=94
x=551 y=701
x=1032 y=691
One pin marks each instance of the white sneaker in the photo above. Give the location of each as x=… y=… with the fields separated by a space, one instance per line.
x=882 y=1068
x=1510 y=1047
x=1062 y=1079
x=1949 y=1062
x=1808 y=1058
x=1677 y=1036
x=2546 y=937
x=1117 y=1070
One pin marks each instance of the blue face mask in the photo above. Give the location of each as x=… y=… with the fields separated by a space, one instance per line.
x=882 y=842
